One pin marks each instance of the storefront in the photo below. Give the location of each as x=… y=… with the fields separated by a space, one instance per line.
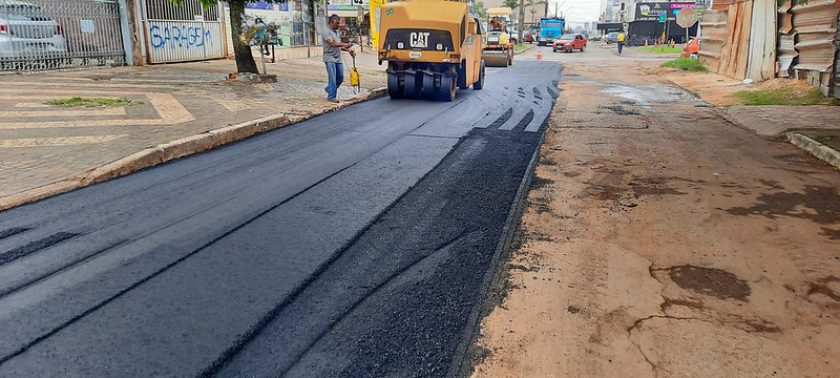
x=653 y=20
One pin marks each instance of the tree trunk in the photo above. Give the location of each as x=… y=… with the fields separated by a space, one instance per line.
x=133 y=21
x=521 y=29
x=244 y=58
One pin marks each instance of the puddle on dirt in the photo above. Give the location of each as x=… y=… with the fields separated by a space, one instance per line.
x=710 y=281
x=650 y=94
x=822 y=204
x=620 y=110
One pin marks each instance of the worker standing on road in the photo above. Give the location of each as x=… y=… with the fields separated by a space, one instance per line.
x=332 y=57
x=620 y=40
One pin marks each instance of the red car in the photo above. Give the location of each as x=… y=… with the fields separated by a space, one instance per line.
x=570 y=42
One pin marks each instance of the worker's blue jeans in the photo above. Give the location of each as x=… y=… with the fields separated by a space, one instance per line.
x=335 y=76
x=620 y=47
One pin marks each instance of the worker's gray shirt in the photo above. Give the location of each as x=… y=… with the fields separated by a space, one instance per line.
x=331 y=54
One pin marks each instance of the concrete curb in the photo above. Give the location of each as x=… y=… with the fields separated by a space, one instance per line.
x=819 y=150
x=166 y=152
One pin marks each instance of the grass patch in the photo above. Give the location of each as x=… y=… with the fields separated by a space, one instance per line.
x=521 y=47
x=686 y=64
x=662 y=50
x=784 y=96
x=88 y=102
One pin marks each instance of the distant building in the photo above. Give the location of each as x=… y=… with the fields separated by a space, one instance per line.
x=532 y=14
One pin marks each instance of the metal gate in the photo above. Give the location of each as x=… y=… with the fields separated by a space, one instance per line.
x=181 y=33
x=50 y=34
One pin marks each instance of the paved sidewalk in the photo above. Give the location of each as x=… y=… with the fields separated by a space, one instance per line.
x=42 y=144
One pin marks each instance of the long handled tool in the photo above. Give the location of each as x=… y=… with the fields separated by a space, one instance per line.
x=354 y=77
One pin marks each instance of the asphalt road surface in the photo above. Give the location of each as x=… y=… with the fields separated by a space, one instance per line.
x=353 y=244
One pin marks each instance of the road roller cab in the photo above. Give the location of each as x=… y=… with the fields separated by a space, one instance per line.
x=500 y=48
x=433 y=48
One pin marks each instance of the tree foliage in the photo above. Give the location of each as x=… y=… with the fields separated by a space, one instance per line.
x=480 y=9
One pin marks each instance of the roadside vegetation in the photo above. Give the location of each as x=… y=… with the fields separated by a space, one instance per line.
x=662 y=50
x=784 y=96
x=686 y=64
x=88 y=102
x=521 y=47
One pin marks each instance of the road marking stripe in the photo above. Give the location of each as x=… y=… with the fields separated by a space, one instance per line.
x=59 y=141
x=66 y=113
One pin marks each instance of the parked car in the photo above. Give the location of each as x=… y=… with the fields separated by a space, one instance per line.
x=28 y=33
x=611 y=38
x=570 y=42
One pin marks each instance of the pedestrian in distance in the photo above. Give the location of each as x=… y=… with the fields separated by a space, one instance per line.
x=332 y=57
x=620 y=40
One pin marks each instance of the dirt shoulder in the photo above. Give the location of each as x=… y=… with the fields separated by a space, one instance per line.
x=660 y=240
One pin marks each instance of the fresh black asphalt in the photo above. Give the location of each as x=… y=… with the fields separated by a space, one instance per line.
x=354 y=244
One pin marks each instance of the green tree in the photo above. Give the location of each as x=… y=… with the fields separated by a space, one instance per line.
x=512 y=4
x=242 y=52
x=480 y=9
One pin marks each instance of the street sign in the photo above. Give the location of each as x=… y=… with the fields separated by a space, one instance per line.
x=687 y=17
x=663 y=17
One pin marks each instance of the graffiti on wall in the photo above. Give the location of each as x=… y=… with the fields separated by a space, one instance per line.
x=179 y=36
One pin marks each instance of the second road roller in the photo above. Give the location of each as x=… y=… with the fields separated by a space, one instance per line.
x=433 y=48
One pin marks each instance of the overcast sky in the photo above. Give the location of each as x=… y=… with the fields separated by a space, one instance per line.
x=577 y=10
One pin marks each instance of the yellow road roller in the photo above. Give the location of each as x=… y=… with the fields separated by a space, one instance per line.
x=500 y=49
x=433 y=48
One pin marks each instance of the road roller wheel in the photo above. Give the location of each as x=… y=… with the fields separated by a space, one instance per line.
x=412 y=89
x=429 y=91
x=448 y=88
x=394 y=89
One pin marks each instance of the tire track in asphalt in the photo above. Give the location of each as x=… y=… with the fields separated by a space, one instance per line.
x=525 y=121
x=502 y=119
x=35 y=246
